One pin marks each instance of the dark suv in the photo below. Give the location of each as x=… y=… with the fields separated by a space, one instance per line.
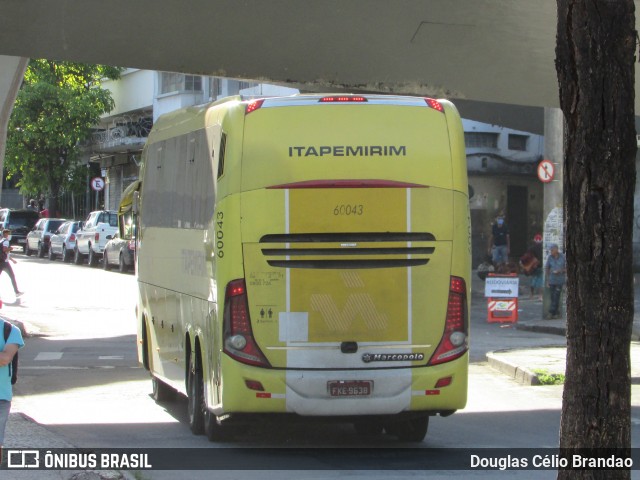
x=20 y=222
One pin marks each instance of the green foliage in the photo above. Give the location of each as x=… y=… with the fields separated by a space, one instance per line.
x=57 y=106
x=547 y=378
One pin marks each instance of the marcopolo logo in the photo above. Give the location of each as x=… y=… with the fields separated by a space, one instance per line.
x=392 y=357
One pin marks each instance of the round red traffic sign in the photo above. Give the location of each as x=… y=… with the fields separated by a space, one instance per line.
x=97 y=184
x=546 y=171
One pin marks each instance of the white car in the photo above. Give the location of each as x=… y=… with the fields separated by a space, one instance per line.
x=92 y=236
x=63 y=242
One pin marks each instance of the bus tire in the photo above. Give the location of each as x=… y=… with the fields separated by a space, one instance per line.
x=195 y=399
x=161 y=392
x=409 y=430
x=368 y=428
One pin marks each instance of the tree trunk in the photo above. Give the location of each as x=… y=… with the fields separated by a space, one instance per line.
x=595 y=49
x=53 y=206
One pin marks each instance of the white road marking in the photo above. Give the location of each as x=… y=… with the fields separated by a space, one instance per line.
x=48 y=356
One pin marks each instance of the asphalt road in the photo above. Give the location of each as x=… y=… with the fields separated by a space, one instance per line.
x=81 y=380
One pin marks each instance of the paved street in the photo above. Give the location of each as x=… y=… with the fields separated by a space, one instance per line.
x=80 y=385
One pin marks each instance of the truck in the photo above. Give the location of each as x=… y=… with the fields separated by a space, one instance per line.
x=99 y=227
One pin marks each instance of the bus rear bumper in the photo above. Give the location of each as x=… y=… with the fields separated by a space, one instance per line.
x=366 y=392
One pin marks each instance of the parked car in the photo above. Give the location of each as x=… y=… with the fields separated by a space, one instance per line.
x=38 y=239
x=92 y=236
x=20 y=222
x=63 y=242
x=119 y=251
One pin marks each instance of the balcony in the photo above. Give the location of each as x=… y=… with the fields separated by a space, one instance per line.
x=124 y=134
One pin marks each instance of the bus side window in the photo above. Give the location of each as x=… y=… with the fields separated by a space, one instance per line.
x=223 y=147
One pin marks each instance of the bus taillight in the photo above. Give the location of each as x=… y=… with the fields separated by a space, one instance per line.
x=253 y=106
x=454 y=339
x=436 y=105
x=238 y=335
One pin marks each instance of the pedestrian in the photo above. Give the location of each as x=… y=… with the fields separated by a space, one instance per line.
x=5 y=258
x=32 y=206
x=8 y=349
x=499 y=242
x=531 y=264
x=555 y=269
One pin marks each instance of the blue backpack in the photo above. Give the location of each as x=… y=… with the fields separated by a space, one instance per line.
x=13 y=368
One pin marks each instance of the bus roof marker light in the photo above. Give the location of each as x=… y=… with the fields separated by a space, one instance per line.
x=436 y=105
x=343 y=99
x=253 y=106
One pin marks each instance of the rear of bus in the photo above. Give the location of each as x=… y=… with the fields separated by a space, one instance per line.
x=352 y=295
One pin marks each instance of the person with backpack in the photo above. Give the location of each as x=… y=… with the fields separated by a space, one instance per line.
x=5 y=257
x=10 y=342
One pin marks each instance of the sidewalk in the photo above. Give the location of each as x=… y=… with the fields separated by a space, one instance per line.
x=522 y=364
x=24 y=432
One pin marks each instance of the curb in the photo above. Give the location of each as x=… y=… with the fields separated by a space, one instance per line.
x=551 y=329
x=562 y=331
x=519 y=374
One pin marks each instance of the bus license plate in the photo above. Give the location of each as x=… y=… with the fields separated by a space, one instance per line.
x=352 y=388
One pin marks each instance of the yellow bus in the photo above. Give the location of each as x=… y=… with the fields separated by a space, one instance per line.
x=310 y=256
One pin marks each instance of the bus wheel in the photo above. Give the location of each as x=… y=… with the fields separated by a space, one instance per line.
x=413 y=430
x=161 y=392
x=195 y=404
x=368 y=428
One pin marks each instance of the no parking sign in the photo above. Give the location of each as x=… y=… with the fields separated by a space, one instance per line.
x=97 y=184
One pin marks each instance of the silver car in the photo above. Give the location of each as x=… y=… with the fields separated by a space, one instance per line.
x=63 y=242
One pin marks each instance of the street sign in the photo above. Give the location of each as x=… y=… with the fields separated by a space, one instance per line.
x=501 y=287
x=546 y=171
x=97 y=184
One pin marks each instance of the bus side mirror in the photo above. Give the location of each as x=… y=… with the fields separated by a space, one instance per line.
x=136 y=202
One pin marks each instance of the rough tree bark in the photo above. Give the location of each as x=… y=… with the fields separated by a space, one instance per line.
x=595 y=49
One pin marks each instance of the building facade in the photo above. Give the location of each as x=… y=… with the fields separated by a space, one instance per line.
x=140 y=97
x=502 y=167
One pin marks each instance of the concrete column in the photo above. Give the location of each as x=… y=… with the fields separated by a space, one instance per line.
x=11 y=73
x=553 y=215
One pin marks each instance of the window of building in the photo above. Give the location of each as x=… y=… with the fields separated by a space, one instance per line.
x=518 y=142
x=178 y=82
x=481 y=140
x=192 y=83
